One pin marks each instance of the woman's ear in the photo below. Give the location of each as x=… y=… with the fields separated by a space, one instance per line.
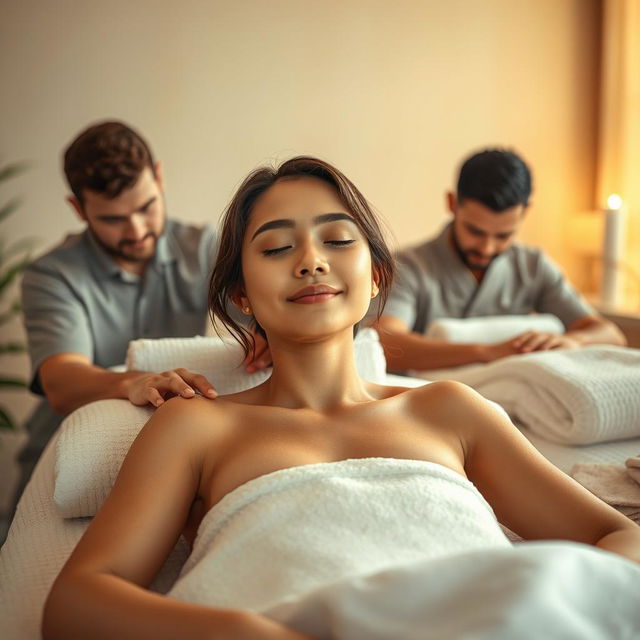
x=375 y=282
x=242 y=302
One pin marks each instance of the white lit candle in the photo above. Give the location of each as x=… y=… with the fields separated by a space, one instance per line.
x=612 y=250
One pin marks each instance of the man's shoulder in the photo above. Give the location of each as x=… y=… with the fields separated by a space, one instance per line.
x=425 y=258
x=191 y=245
x=189 y=234
x=68 y=254
x=532 y=258
x=416 y=253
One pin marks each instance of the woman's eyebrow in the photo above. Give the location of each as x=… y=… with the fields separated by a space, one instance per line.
x=288 y=223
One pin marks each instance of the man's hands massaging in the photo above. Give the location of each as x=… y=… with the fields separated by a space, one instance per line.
x=528 y=342
x=155 y=388
x=70 y=381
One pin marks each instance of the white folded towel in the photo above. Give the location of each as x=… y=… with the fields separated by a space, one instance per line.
x=492 y=329
x=577 y=396
x=295 y=530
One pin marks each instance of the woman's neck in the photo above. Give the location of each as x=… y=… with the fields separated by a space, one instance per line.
x=318 y=375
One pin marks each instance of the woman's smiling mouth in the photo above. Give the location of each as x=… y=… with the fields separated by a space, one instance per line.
x=314 y=294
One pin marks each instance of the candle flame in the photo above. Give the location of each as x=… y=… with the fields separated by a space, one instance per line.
x=614 y=201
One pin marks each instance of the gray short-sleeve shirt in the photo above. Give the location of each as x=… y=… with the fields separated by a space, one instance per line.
x=433 y=282
x=76 y=299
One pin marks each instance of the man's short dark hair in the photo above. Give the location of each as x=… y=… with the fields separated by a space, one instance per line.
x=496 y=178
x=107 y=158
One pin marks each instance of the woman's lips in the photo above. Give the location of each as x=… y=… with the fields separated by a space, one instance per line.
x=312 y=299
x=314 y=294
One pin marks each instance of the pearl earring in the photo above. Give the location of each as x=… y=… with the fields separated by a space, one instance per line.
x=246 y=310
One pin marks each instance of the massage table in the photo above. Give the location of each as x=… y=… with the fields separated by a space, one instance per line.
x=40 y=540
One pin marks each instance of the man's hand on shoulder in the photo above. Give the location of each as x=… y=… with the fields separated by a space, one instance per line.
x=70 y=381
x=155 y=388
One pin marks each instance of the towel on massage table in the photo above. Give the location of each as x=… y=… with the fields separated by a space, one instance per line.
x=570 y=396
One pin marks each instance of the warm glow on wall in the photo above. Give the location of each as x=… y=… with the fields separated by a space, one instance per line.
x=619 y=152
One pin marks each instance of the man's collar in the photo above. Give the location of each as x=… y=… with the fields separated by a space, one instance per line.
x=444 y=244
x=166 y=250
x=101 y=262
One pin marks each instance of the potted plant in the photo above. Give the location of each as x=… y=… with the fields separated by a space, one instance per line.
x=14 y=257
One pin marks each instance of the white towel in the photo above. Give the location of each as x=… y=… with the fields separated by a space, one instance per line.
x=295 y=530
x=577 y=396
x=220 y=359
x=525 y=592
x=492 y=329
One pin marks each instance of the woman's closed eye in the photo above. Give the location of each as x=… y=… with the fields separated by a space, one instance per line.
x=332 y=243
x=276 y=251
x=339 y=243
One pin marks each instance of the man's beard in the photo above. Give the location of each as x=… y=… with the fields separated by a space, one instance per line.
x=119 y=253
x=467 y=255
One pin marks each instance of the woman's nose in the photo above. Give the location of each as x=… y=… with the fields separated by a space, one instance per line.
x=312 y=262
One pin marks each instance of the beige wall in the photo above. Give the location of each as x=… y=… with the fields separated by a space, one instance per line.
x=393 y=93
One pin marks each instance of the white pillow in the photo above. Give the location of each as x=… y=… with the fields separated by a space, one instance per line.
x=93 y=441
x=220 y=359
x=492 y=329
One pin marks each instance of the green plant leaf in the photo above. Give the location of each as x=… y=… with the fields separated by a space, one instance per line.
x=14 y=169
x=9 y=208
x=11 y=347
x=11 y=312
x=8 y=276
x=12 y=383
x=6 y=421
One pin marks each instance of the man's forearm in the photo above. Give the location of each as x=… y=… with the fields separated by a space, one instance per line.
x=405 y=351
x=598 y=333
x=81 y=384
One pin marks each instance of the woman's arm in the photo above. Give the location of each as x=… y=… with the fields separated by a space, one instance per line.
x=529 y=494
x=100 y=592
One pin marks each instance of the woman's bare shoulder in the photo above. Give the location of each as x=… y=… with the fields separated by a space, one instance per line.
x=442 y=390
x=454 y=400
x=447 y=402
x=192 y=416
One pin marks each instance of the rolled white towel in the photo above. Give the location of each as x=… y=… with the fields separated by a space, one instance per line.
x=220 y=359
x=492 y=329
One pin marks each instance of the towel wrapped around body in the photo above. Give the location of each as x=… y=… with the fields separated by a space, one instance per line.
x=383 y=549
x=292 y=531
